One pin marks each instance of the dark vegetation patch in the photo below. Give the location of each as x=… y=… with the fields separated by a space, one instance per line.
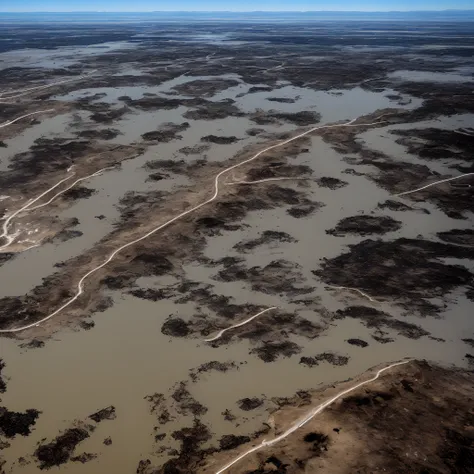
x=3 y=384
x=205 y=88
x=267 y=237
x=228 y=416
x=219 y=304
x=159 y=408
x=214 y=111
x=301 y=398
x=194 y=150
x=279 y=276
x=329 y=357
x=399 y=206
x=381 y=338
x=468 y=341
x=411 y=270
x=370 y=397
x=331 y=183
x=78 y=192
x=365 y=225
x=319 y=442
x=33 y=344
x=214 y=226
x=166 y=132
x=271 y=351
x=104 y=113
x=277 y=169
x=248 y=404
x=219 y=140
x=305 y=117
x=13 y=423
x=352 y=172
x=66 y=234
x=102 y=134
x=173 y=166
x=232 y=441
x=211 y=366
x=152 y=263
x=175 y=327
x=107 y=441
x=357 y=342
x=60 y=450
x=254 y=89
x=6 y=256
x=458 y=236
x=253 y=132
x=305 y=210
x=84 y=457
x=161 y=103
x=191 y=451
x=374 y=318
x=157 y=176
x=289 y=323
x=107 y=413
x=186 y=403
x=282 y=100
x=132 y=202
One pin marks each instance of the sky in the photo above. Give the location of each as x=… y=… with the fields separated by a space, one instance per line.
x=228 y=5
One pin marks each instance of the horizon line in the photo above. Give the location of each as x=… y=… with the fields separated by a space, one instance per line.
x=245 y=11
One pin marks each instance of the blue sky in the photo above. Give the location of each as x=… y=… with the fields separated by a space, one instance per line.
x=239 y=5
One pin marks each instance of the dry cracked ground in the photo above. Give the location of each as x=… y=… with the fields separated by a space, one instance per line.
x=136 y=122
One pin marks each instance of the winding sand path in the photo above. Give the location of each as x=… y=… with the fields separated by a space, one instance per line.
x=97 y=173
x=80 y=284
x=11 y=122
x=220 y=333
x=433 y=184
x=315 y=411
x=11 y=237
x=352 y=289
x=26 y=208
x=267 y=180
x=23 y=92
